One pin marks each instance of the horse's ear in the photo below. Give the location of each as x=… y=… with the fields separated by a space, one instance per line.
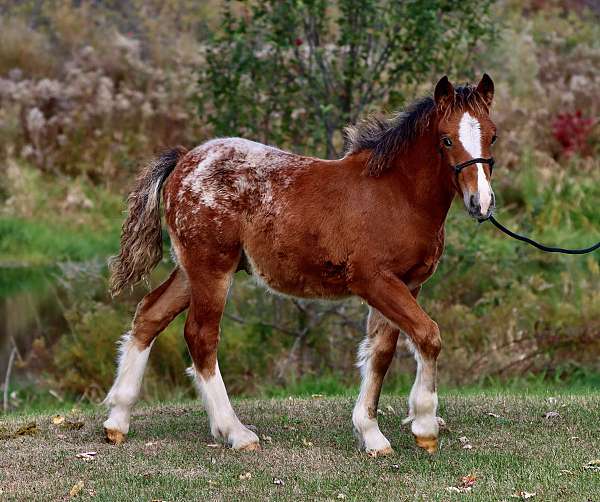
x=444 y=94
x=485 y=88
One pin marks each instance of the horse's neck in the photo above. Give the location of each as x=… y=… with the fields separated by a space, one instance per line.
x=426 y=179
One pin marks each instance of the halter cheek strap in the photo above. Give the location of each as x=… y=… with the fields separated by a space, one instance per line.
x=459 y=167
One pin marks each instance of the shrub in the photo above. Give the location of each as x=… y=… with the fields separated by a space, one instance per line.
x=573 y=131
x=295 y=73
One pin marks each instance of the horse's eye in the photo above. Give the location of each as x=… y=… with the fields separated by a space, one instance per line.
x=494 y=138
x=447 y=142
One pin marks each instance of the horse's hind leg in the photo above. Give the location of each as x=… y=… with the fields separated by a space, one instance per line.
x=154 y=313
x=375 y=356
x=209 y=293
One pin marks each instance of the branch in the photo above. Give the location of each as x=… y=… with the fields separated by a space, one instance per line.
x=11 y=361
x=240 y=320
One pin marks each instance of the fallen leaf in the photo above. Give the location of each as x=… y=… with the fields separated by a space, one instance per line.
x=495 y=415
x=73 y=425
x=552 y=414
x=465 y=486
x=523 y=495
x=380 y=412
x=267 y=439
x=278 y=482
x=245 y=476
x=395 y=466
x=58 y=419
x=467 y=481
x=341 y=496
x=150 y=443
x=77 y=487
x=305 y=442
x=390 y=409
x=87 y=455
x=290 y=428
x=592 y=465
x=213 y=445
x=464 y=441
x=441 y=422
x=29 y=429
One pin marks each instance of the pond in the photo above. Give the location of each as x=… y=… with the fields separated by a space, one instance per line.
x=33 y=301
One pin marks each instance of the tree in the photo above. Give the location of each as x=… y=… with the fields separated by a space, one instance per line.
x=295 y=72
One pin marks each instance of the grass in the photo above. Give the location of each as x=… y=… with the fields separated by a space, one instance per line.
x=313 y=451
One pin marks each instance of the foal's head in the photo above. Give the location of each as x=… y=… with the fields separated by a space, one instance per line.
x=466 y=132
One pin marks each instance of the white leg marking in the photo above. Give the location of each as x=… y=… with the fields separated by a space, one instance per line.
x=224 y=423
x=469 y=133
x=422 y=401
x=126 y=387
x=367 y=429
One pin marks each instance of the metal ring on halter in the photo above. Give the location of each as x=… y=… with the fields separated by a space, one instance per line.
x=490 y=162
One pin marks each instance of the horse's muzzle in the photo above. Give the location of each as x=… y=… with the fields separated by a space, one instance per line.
x=473 y=205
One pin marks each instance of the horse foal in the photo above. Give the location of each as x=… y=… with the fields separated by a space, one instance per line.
x=370 y=225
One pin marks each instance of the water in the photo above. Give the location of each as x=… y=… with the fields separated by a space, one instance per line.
x=33 y=302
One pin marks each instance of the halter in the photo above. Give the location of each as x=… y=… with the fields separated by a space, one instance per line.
x=549 y=249
x=459 y=167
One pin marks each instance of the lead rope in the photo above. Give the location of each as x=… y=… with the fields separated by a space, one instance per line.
x=547 y=249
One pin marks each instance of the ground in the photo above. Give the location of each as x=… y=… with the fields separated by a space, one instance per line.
x=512 y=446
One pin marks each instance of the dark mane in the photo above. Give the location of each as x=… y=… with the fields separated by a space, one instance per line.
x=388 y=137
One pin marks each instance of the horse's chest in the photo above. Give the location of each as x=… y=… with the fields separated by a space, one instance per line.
x=425 y=265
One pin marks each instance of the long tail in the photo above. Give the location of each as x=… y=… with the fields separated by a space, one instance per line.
x=141 y=236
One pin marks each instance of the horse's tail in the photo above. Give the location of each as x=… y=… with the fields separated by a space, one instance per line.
x=141 y=235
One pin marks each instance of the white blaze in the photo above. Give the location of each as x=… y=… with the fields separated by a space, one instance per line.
x=469 y=133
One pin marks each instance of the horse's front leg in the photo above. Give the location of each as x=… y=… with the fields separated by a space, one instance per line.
x=374 y=358
x=394 y=300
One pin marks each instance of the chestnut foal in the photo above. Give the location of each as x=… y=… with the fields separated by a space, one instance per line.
x=370 y=224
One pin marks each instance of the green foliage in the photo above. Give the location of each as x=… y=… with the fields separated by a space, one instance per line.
x=295 y=72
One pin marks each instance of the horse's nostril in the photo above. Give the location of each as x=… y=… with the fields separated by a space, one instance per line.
x=473 y=201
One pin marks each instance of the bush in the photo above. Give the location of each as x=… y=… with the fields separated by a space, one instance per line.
x=294 y=73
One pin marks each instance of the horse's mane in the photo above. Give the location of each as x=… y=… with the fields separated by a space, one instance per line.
x=388 y=137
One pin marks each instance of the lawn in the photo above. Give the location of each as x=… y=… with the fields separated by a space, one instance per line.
x=509 y=445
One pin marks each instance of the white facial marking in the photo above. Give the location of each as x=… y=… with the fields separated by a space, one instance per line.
x=469 y=133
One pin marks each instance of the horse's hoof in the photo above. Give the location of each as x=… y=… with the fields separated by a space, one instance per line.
x=249 y=447
x=114 y=436
x=428 y=443
x=384 y=452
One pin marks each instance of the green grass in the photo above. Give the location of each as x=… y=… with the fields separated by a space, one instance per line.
x=312 y=449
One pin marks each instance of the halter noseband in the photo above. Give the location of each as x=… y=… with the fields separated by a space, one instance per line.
x=459 y=167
